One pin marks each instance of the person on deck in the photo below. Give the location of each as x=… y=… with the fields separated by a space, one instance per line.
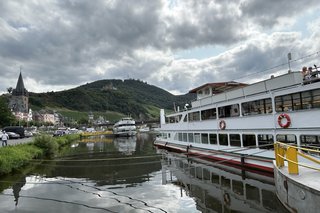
x=305 y=73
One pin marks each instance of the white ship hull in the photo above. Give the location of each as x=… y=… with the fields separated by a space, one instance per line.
x=239 y=126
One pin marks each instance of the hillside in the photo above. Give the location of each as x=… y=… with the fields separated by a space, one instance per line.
x=129 y=97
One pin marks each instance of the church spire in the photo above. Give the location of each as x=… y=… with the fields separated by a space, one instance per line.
x=20 y=85
x=20 y=89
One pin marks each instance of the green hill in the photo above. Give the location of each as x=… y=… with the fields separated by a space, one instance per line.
x=128 y=97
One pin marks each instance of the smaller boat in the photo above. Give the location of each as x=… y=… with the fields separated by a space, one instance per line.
x=125 y=127
x=143 y=128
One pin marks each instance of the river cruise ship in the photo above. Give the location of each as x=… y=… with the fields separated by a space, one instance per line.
x=125 y=127
x=237 y=124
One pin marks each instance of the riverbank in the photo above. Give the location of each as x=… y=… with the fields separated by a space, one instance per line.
x=19 y=152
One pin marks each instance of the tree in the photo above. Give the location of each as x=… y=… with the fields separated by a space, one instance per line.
x=10 y=89
x=5 y=114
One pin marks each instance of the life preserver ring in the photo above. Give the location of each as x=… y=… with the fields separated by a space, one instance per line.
x=287 y=119
x=222 y=124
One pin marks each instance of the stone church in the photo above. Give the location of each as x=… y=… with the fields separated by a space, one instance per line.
x=19 y=101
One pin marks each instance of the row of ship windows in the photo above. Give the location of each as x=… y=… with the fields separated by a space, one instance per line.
x=290 y=102
x=265 y=141
x=248 y=191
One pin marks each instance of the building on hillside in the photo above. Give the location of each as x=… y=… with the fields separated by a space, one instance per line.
x=48 y=118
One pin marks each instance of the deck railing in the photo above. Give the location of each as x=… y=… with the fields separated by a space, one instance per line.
x=287 y=152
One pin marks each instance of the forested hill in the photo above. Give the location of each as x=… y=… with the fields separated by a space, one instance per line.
x=129 y=96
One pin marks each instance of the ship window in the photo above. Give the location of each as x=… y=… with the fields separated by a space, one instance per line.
x=194 y=116
x=249 y=140
x=225 y=182
x=229 y=111
x=185 y=137
x=235 y=140
x=175 y=136
x=223 y=139
x=297 y=101
x=180 y=136
x=287 y=138
x=306 y=100
x=316 y=98
x=207 y=91
x=252 y=193
x=197 y=137
x=208 y=114
x=204 y=138
x=310 y=140
x=199 y=173
x=265 y=141
x=215 y=178
x=190 y=137
x=206 y=174
x=263 y=106
x=213 y=138
x=237 y=187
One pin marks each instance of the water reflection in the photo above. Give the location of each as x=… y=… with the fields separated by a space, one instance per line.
x=130 y=175
x=109 y=163
x=16 y=188
x=219 y=188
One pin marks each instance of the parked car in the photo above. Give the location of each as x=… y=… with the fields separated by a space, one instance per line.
x=13 y=135
x=58 y=133
x=16 y=129
x=28 y=134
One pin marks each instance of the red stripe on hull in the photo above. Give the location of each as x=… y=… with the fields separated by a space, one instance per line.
x=225 y=161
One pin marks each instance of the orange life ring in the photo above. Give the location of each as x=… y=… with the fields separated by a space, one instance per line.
x=222 y=124
x=284 y=124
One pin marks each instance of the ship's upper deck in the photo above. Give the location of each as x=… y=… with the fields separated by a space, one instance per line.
x=287 y=80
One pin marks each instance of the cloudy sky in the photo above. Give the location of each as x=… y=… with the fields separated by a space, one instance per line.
x=173 y=44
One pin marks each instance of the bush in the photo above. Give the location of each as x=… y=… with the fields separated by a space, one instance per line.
x=47 y=144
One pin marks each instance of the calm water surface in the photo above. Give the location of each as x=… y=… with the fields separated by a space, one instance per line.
x=130 y=175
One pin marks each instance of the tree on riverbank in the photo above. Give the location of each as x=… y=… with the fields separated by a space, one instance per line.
x=5 y=114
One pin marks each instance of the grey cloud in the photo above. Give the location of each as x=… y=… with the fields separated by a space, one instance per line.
x=267 y=13
x=63 y=42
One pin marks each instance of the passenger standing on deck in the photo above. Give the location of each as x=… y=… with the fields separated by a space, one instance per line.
x=305 y=73
x=4 y=138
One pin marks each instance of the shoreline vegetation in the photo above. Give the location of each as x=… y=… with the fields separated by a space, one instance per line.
x=13 y=158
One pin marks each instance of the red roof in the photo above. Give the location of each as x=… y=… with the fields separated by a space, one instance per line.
x=219 y=87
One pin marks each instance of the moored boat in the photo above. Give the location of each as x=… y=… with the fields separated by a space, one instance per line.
x=238 y=124
x=125 y=127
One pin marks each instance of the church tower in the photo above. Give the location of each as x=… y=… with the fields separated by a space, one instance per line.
x=19 y=101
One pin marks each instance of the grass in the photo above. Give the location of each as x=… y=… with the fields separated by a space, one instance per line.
x=12 y=158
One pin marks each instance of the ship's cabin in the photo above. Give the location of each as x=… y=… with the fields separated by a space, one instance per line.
x=211 y=89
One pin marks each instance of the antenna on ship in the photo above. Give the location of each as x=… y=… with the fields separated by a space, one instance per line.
x=289 y=59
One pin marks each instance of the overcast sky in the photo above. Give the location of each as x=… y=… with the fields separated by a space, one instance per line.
x=176 y=45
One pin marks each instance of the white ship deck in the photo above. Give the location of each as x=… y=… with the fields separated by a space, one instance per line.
x=308 y=178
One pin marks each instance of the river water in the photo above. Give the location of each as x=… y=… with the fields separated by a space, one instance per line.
x=130 y=175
